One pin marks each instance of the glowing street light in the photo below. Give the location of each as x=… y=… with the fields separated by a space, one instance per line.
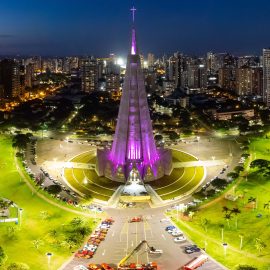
x=49 y=256
x=225 y=246
x=85 y=181
x=20 y=215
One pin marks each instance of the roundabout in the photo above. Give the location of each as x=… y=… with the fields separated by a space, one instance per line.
x=186 y=176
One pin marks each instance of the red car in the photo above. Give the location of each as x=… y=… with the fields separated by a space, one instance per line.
x=105 y=266
x=136 y=219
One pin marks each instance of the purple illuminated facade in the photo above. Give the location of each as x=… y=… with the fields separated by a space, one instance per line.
x=134 y=143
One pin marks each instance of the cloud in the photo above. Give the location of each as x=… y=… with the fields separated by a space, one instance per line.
x=5 y=36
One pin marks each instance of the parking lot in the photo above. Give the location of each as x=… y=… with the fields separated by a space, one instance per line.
x=124 y=236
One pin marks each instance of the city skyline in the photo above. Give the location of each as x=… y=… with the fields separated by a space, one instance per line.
x=100 y=27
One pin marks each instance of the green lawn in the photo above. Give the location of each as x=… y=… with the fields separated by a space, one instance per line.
x=181 y=180
x=97 y=187
x=248 y=224
x=19 y=247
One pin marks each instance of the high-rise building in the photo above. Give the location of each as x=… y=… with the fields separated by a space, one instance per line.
x=175 y=69
x=112 y=82
x=150 y=60
x=10 y=78
x=226 y=78
x=133 y=144
x=29 y=75
x=89 y=75
x=266 y=76
x=249 y=81
x=244 y=81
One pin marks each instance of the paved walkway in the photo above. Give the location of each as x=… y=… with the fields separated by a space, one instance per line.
x=69 y=164
x=34 y=191
x=199 y=163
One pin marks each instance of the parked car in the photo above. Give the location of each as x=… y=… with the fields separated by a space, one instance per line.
x=153 y=250
x=180 y=239
x=192 y=249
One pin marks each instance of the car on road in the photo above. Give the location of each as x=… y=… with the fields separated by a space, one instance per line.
x=153 y=250
x=192 y=249
x=136 y=219
x=180 y=239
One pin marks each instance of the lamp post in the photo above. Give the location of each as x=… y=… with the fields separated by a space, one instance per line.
x=20 y=216
x=225 y=246
x=205 y=245
x=49 y=256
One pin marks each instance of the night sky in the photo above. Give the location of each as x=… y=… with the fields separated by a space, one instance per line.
x=100 y=27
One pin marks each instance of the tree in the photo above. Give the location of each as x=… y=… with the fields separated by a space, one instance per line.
x=236 y=212
x=246 y=267
x=228 y=217
x=77 y=221
x=260 y=163
x=11 y=232
x=44 y=215
x=4 y=204
x=173 y=136
x=205 y=223
x=260 y=245
x=219 y=183
x=191 y=214
x=18 y=266
x=54 y=189
x=238 y=169
x=3 y=256
x=68 y=243
x=253 y=201
x=20 y=141
x=225 y=209
x=233 y=175
x=158 y=137
x=37 y=243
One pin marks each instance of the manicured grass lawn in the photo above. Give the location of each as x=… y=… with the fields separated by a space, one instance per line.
x=20 y=248
x=181 y=180
x=97 y=187
x=249 y=223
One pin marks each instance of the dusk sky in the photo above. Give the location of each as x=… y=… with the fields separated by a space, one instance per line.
x=100 y=27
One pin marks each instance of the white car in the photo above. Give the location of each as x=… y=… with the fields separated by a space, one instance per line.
x=152 y=250
x=80 y=267
x=104 y=226
x=177 y=233
x=179 y=239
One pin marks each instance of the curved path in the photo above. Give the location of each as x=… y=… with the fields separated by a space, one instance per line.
x=21 y=173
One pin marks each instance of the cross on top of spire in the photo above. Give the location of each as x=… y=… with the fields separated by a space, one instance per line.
x=133 y=10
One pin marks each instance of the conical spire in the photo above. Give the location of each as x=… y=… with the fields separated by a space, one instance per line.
x=133 y=39
x=133 y=42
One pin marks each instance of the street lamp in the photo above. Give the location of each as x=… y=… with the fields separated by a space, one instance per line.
x=205 y=245
x=49 y=256
x=225 y=246
x=20 y=213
